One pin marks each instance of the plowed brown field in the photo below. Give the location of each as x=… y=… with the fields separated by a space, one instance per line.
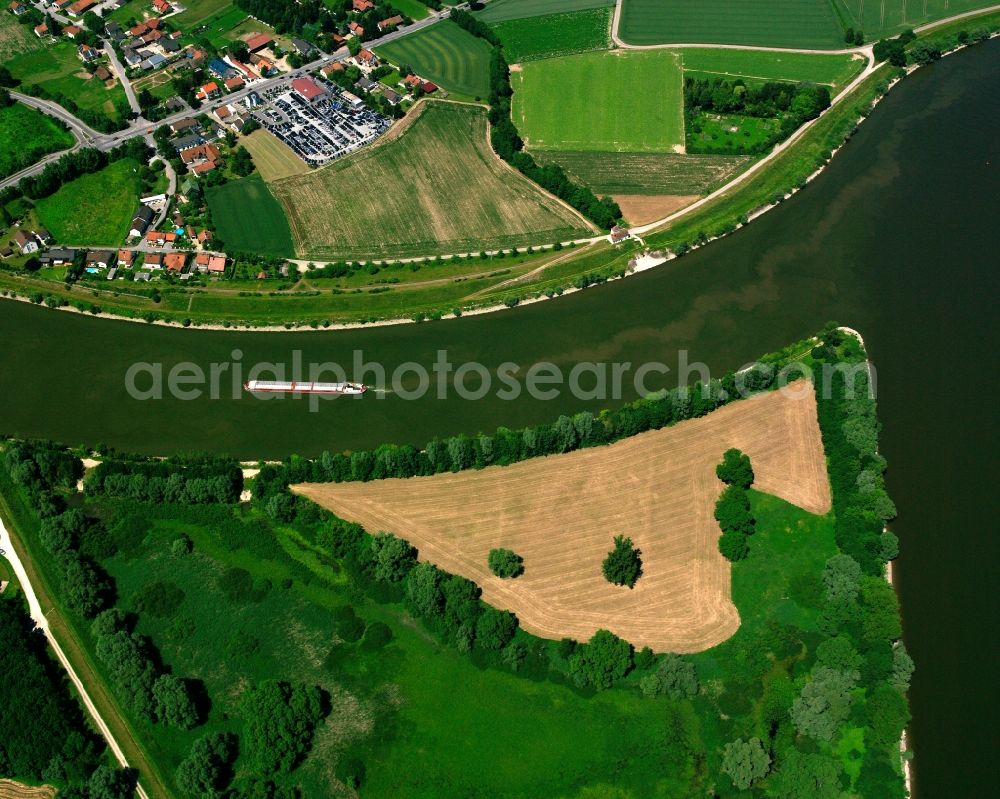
x=561 y=512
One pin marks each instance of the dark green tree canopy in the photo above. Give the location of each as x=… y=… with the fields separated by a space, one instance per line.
x=735 y=469
x=279 y=721
x=623 y=565
x=505 y=563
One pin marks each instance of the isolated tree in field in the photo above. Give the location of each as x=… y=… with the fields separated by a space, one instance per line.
x=279 y=721
x=746 y=762
x=735 y=469
x=205 y=772
x=623 y=566
x=505 y=563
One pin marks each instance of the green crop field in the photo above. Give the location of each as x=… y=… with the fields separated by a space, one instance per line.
x=94 y=209
x=555 y=34
x=891 y=16
x=774 y=23
x=617 y=101
x=413 y=9
x=197 y=12
x=833 y=70
x=249 y=219
x=27 y=135
x=447 y=55
x=648 y=173
x=58 y=69
x=499 y=10
x=437 y=188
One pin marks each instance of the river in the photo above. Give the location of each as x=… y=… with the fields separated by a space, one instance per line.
x=897 y=238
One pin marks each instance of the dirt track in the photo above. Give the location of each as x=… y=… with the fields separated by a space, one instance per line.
x=560 y=514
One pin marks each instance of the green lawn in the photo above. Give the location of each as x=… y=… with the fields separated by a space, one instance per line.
x=95 y=209
x=774 y=23
x=248 y=219
x=16 y=38
x=131 y=10
x=833 y=70
x=27 y=135
x=729 y=133
x=499 y=10
x=616 y=101
x=447 y=55
x=532 y=38
x=58 y=69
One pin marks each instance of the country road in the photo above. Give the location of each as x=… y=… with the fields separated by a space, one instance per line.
x=35 y=611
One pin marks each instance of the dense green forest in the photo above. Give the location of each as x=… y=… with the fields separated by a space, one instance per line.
x=269 y=649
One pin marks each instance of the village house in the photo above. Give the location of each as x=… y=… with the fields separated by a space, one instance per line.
x=102 y=74
x=26 y=243
x=175 y=262
x=356 y=29
x=17 y=8
x=363 y=5
x=187 y=123
x=80 y=7
x=131 y=57
x=204 y=237
x=392 y=96
x=366 y=59
x=201 y=159
x=210 y=262
x=43 y=236
x=126 y=258
x=152 y=260
x=71 y=31
x=141 y=221
x=619 y=234
x=366 y=84
x=114 y=31
x=154 y=61
x=41 y=30
x=302 y=47
x=98 y=259
x=411 y=81
x=329 y=69
x=162 y=7
x=209 y=91
x=57 y=257
x=87 y=53
x=234 y=84
x=258 y=42
x=264 y=66
x=428 y=87
x=391 y=22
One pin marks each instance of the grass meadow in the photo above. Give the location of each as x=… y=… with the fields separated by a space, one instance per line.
x=500 y=10
x=26 y=135
x=615 y=101
x=729 y=133
x=437 y=187
x=94 y=209
x=249 y=219
x=649 y=173
x=774 y=23
x=57 y=69
x=447 y=55
x=833 y=70
x=531 y=38
x=16 y=38
x=197 y=12
x=414 y=9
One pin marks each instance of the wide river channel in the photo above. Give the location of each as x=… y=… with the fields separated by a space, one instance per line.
x=897 y=238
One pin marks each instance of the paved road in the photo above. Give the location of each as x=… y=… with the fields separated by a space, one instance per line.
x=119 y=70
x=35 y=611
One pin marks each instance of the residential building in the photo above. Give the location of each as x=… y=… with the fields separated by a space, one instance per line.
x=152 y=260
x=71 y=31
x=391 y=22
x=619 y=234
x=17 y=9
x=57 y=257
x=155 y=61
x=258 y=42
x=26 y=243
x=87 y=53
x=99 y=259
x=366 y=84
x=175 y=261
x=209 y=91
x=169 y=45
x=43 y=236
x=329 y=69
x=162 y=7
x=41 y=30
x=102 y=74
x=303 y=47
x=126 y=258
x=234 y=84
x=366 y=59
x=428 y=87
x=210 y=262
x=141 y=221
x=363 y=5
x=392 y=96
x=183 y=124
x=80 y=7
x=356 y=29
x=221 y=69
x=131 y=57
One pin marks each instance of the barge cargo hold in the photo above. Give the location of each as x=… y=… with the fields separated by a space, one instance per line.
x=283 y=387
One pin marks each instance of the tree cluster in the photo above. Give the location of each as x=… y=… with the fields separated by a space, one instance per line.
x=196 y=481
x=80 y=162
x=279 y=720
x=732 y=510
x=894 y=50
x=207 y=769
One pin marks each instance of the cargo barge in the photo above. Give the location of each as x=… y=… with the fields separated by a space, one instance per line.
x=296 y=387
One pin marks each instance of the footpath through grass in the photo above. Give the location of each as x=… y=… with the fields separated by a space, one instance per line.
x=616 y=101
x=94 y=209
x=445 y=54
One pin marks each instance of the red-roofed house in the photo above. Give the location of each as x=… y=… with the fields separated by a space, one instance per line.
x=329 y=69
x=41 y=30
x=209 y=91
x=366 y=58
x=152 y=260
x=71 y=31
x=202 y=168
x=204 y=236
x=211 y=263
x=411 y=81
x=428 y=87
x=126 y=258
x=139 y=30
x=356 y=29
x=17 y=8
x=86 y=52
x=258 y=42
x=234 y=83
x=363 y=5
x=161 y=6
x=392 y=22
x=80 y=7
x=203 y=152
x=310 y=89
x=619 y=234
x=175 y=261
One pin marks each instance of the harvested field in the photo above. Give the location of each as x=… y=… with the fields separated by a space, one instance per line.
x=641 y=209
x=648 y=173
x=273 y=158
x=561 y=512
x=437 y=188
x=15 y=790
